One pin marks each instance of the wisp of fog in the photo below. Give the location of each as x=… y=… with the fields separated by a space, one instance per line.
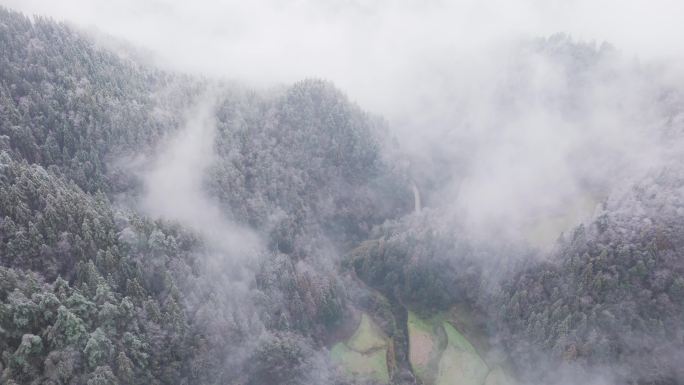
x=174 y=183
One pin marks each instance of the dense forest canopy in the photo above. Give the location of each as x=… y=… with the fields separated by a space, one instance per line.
x=164 y=228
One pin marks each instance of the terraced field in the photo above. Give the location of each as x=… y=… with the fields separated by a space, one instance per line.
x=441 y=355
x=439 y=349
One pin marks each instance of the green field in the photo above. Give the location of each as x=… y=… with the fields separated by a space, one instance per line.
x=461 y=367
x=441 y=355
x=457 y=339
x=367 y=336
x=365 y=352
x=498 y=377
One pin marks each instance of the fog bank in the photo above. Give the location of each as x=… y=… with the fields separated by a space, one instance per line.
x=504 y=131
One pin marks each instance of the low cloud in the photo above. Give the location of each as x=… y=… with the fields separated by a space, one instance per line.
x=174 y=183
x=515 y=135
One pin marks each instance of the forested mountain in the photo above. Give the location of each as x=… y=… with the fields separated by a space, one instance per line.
x=68 y=105
x=317 y=237
x=612 y=294
x=94 y=293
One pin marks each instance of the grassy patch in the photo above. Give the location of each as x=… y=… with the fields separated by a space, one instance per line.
x=498 y=377
x=367 y=336
x=460 y=367
x=418 y=323
x=372 y=365
x=452 y=359
x=457 y=339
x=365 y=353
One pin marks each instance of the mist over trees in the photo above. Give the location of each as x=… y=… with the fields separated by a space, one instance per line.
x=92 y=292
x=310 y=220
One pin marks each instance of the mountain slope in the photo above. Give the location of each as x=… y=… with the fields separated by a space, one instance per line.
x=96 y=292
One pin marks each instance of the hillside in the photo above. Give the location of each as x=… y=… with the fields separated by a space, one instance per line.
x=164 y=228
x=96 y=291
